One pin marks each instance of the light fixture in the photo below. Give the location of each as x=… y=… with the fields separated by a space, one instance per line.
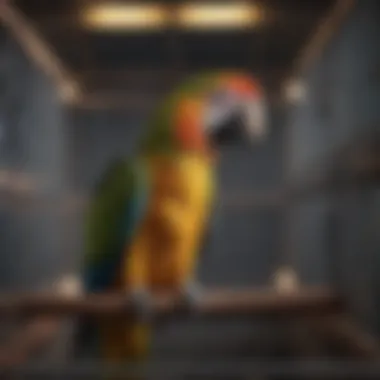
x=119 y=16
x=69 y=92
x=218 y=15
x=285 y=280
x=295 y=91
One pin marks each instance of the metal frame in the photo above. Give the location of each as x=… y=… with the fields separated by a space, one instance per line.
x=249 y=368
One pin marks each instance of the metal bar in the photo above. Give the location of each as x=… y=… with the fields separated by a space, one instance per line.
x=31 y=338
x=159 y=78
x=300 y=369
x=344 y=333
x=323 y=34
x=355 y=164
x=141 y=89
x=213 y=303
x=39 y=51
x=126 y=103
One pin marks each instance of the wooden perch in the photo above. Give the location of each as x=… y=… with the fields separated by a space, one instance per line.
x=44 y=328
x=213 y=303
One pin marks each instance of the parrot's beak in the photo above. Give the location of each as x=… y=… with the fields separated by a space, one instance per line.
x=229 y=131
x=254 y=117
x=246 y=124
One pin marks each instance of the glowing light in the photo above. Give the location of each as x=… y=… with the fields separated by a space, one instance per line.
x=70 y=285
x=129 y=17
x=286 y=280
x=124 y=16
x=218 y=16
x=295 y=91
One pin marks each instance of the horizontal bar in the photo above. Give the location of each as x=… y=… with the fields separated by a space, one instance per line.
x=357 y=164
x=162 y=78
x=136 y=89
x=248 y=368
x=212 y=303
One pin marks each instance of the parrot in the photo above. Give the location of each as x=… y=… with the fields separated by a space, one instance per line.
x=150 y=214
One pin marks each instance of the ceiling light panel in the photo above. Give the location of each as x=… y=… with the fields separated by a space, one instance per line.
x=234 y=15
x=118 y=16
x=105 y=16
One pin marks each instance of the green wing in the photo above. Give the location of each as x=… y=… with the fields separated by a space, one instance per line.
x=118 y=206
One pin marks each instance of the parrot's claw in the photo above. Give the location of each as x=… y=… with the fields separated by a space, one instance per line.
x=191 y=293
x=142 y=304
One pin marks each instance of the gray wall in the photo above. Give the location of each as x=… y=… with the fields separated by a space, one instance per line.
x=31 y=143
x=343 y=101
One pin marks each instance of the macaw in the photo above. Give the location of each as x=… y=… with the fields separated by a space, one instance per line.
x=149 y=217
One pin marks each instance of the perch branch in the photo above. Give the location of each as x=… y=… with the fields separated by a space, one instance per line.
x=213 y=302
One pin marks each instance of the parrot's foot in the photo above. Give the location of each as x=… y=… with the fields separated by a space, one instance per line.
x=191 y=293
x=142 y=304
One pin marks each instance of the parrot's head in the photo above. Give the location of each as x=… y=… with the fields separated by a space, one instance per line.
x=234 y=110
x=209 y=111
